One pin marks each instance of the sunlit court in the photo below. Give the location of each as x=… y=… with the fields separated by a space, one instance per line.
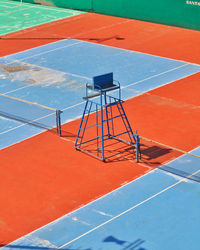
x=99 y=125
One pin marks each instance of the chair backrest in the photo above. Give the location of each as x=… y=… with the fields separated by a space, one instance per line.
x=103 y=81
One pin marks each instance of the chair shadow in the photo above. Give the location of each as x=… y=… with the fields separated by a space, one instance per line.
x=118 y=151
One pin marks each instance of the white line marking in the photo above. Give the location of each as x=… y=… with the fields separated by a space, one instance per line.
x=135 y=51
x=11 y=91
x=87 y=78
x=50 y=8
x=162 y=73
x=120 y=187
x=34 y=84
x=128 y=210
x=6 y=131
x=10 y=12
x=175 y=101
x=65 y=20
x=45 y=52
x=70 y=107
x=27 y=123
x=11 y=7
x=73 y=105
x=76 y=210
x=12 y=3
x=98 y=29
x=88 y=204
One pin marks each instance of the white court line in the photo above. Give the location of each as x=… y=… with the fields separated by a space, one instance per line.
x=64 y=20
x=73 y=105
x=70 y=107
x=76 y=210
x=71 y=12
x=10 y=12
x=112 y=25
x=27 y=123
x=181 y=103
x=80 y=41
x=5 y=3
x=75 y=37
x=128 y=210
x=87 y=78
x=98 y=29
x=35 y=84
x=95 y=44
x=134 y=51
x=162 y=73
x=11 y=91
x=11 y=7
x=42 y=53
x=53 y=8
x=124 y=211
x=88 y=204
x=12 y=3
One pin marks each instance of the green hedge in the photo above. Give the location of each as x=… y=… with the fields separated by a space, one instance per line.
x=182 y=13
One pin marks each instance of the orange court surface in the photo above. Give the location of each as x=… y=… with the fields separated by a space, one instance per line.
x=44 y=178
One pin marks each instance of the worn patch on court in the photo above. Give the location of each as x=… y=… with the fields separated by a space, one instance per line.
x=29 y=74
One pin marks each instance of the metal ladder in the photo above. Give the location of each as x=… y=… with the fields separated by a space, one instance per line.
x=101 y=105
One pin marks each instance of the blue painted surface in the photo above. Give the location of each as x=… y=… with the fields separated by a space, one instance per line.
x=185 y=166
x=159 y=211
x=156 y=211
x=55 y=75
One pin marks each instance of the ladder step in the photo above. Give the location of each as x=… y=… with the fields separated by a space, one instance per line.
x=114 y=103
x=111 y=104
x=104 y=124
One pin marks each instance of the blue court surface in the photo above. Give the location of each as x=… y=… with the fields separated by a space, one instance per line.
x=160 y=210
x=55 y=75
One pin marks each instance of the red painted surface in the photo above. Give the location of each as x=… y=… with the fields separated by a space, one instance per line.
x=124 y=33
x=44 y=178
x=185 y=91
x=169 y=114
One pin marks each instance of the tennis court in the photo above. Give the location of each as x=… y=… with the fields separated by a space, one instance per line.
x=54 y=197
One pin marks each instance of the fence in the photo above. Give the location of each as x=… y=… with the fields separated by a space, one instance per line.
x=182 y=13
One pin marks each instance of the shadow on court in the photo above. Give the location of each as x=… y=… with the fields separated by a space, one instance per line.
x=67 y=134
x=96 y=39
x=110 y=240
x=118 y=151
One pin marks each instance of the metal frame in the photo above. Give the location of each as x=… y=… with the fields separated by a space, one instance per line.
x=58 y=122
x=102 y=104
x=34 y=122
